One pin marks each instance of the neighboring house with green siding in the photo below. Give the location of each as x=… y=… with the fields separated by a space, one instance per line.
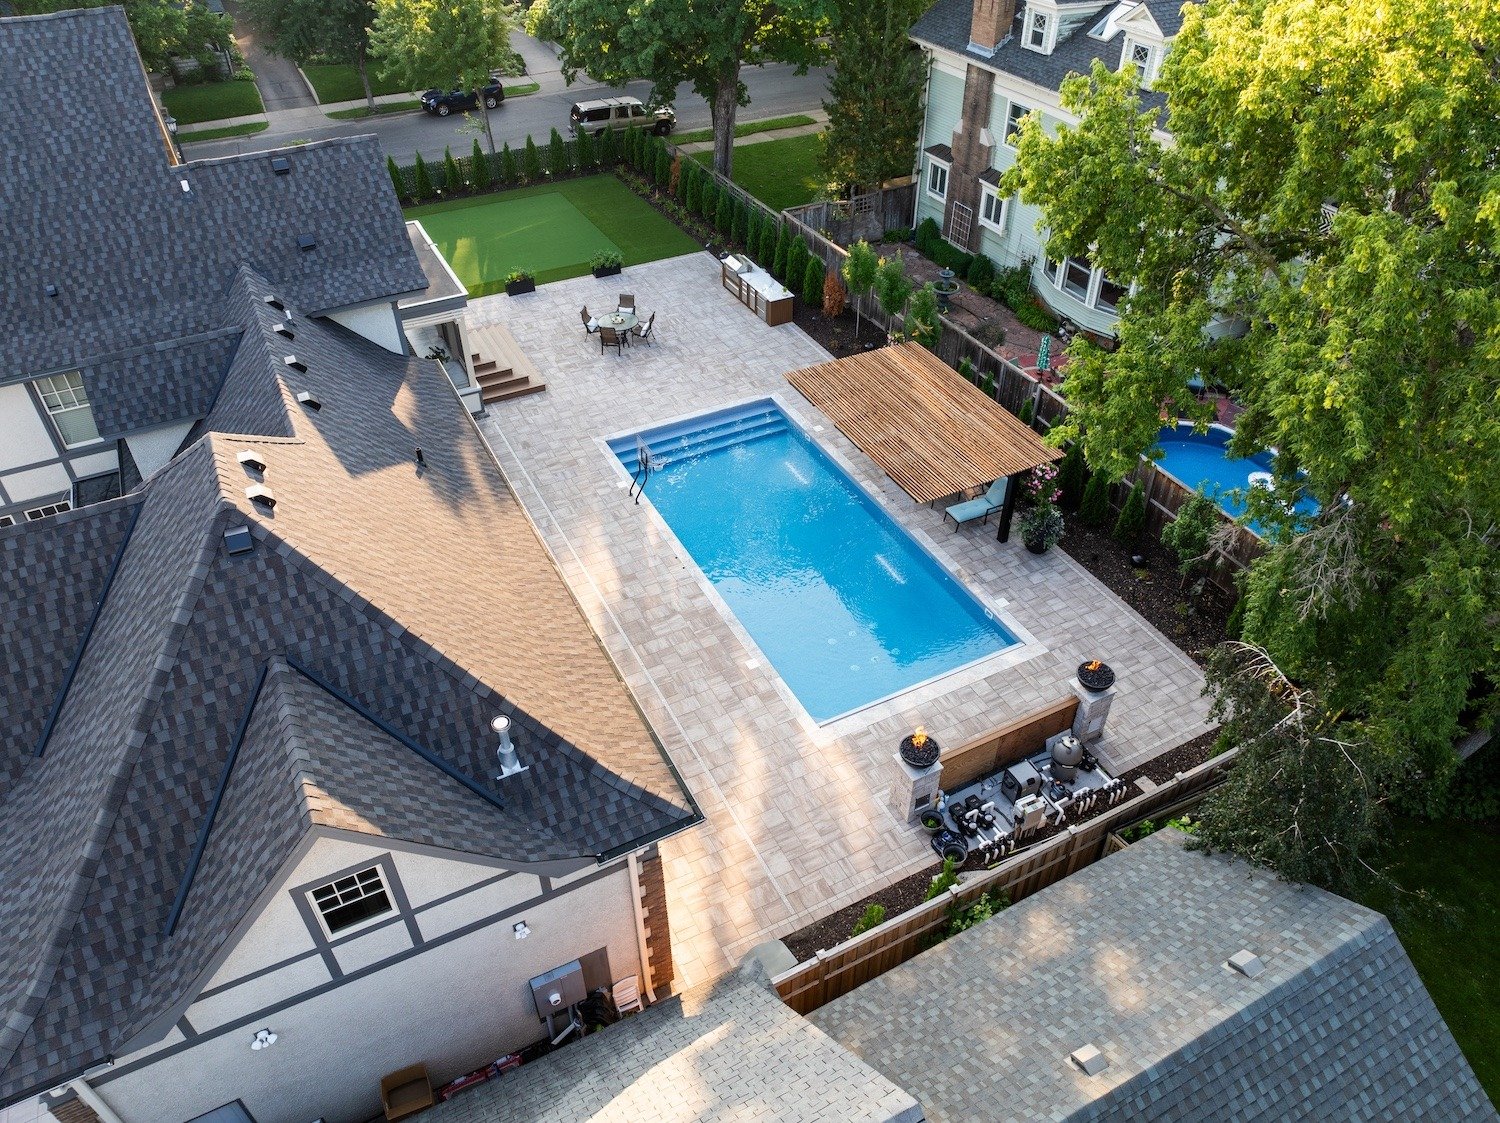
x=991 y=62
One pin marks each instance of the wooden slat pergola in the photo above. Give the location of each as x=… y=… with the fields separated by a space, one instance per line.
x=930 y=429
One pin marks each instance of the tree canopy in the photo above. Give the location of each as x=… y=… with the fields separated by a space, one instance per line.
x=875 y=89
x=1319 y=235
x=162 y=28
x=701 y=42
x=308 y=30
x=443 y=43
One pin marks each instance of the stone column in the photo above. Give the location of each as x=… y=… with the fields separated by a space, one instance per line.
x=1093 y=709
x=658 y=930
x=914 y=790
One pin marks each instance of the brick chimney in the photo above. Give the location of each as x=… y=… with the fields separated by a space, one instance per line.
x=990 y=25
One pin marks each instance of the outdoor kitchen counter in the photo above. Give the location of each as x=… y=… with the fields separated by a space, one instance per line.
x=757 y=290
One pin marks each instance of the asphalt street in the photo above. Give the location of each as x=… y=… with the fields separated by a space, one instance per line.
x=775 y=91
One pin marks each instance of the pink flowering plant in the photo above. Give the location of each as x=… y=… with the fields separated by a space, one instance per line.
x=1041 y=486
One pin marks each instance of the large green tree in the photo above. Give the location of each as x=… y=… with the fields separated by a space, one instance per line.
x=162 y=28
x=443 y=43
x=1319 y=234
x=327 y=30
x=702 y=42
x=875 y=91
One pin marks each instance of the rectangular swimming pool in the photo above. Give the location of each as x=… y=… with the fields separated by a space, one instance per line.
x=847 y=606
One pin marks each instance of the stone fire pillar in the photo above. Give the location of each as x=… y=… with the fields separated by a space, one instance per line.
x=914 y=790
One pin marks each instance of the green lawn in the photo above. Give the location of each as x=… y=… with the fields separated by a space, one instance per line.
x=249 y=128
x=552 y=230
x=1456 y=946
x=212 y=101
x=340 y=82
x=379 y=111
x=750 y=129
x=780 y=173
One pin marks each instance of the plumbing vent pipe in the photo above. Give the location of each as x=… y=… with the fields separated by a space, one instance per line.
x=510 y=763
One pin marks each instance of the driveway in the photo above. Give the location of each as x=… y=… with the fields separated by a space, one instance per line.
x=797 y=823
x=277 y=79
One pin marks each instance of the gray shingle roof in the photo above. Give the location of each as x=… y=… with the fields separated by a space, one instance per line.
x=726 y=1052
x=1129 y=956
x=94 y=207
x=97 y=836
x=946 y=24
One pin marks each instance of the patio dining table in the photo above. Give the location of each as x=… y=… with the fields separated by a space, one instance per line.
x=621 y=321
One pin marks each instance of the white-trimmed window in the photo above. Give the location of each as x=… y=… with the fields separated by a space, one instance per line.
x=992 y=209
x=1013 y=117
x=937 y=178
x=1049 y=270
x=348 y=901
x=1110 y=295
x=1077 y=276
x=1143 y=57
x=67 y=402
x=33 y=514
x=1036 y=29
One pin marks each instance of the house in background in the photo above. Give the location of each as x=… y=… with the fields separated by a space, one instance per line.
x=250 y=778
x=990 y=63
x=117 y=259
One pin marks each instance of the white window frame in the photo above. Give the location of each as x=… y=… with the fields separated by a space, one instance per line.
x=1147 y=69
x=47 y=510
x=361 y=887
x=1037 y=23
x=1056 y=273
x=7 y=520
x=1013 y=122
x=1067 y=267
x=990 y=199
x=933 y=166
x=64 y=394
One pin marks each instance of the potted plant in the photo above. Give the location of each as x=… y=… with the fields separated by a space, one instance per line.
x=518 y=281
x=1041 y=527
x=607 y=263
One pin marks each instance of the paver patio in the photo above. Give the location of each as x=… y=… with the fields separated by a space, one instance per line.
x=796 y=818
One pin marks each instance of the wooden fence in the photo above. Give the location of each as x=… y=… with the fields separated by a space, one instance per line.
x=839 y=970
x=866 y=216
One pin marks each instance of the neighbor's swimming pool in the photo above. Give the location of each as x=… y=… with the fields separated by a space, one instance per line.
x=1201 y=460
x=848 y=608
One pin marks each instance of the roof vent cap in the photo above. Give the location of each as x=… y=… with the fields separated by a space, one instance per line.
x=284 y=329
x=261 y=496
x=1089 y=1059
x=50 y=289
x=252 y=459
x=1247 y=963
x=281 y=165
x=306 y=242
x=237 y=540
x=295 y=363
x=276 y=304
x=309 y=401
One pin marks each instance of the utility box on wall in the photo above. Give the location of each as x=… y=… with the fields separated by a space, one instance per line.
x=558 y=989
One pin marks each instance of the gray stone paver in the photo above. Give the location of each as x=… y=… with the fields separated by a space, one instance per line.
x=796 y=820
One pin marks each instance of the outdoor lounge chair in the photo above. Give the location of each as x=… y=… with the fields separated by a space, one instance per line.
x=608 y=337
x=981 y=508
x=627 y=303
x=589 y=326
x=405 y=1092
x=643 y=331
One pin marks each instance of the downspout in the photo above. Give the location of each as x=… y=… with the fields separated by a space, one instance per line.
x=640 y=926
x=85 y=1093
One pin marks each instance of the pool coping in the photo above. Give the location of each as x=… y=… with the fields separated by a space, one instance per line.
x=1026 y=647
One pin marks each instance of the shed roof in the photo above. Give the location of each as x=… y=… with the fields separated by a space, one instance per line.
x=930 y=429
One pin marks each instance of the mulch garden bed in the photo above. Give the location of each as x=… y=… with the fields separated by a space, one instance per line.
x=836 y=335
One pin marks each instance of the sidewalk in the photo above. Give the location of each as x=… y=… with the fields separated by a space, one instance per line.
x=820 y=122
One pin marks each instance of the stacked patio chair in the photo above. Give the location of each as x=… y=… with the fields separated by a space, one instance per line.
x=643 y=331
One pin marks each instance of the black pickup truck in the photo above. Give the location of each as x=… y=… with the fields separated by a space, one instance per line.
x=443 y=102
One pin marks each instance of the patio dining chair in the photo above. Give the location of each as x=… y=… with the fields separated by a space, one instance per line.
x=643 y=331
x=627 y=303
x=589 y=327
x=608 y=337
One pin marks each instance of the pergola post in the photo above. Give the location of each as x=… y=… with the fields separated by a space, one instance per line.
x=1002 y=534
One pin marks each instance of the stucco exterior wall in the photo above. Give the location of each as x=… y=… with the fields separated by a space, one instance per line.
x=375 y=321
x=443 y=982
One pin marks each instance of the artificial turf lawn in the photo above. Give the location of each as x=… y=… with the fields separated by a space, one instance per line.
x=780 y=173
x=1456 y=945
x=552 y=230
x=212 y=101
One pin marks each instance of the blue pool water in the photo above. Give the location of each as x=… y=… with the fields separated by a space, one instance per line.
x=1199 y=460
x=846 y=606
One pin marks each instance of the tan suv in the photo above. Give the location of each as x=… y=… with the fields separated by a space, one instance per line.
x=619 y=113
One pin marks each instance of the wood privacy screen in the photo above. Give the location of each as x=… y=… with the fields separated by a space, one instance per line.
x=839 y=970
x=929 y=428
x=1013 y=741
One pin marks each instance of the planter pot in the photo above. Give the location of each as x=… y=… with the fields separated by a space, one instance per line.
x=516 y=288
x=607 y=271
x=1037 y=546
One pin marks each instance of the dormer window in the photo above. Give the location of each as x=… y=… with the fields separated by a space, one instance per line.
x=1143 y=58
x=1036 y=30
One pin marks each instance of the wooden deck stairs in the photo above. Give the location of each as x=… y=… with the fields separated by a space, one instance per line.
x=500 y=367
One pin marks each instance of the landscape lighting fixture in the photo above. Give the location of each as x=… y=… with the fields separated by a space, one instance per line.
x=521 y=929
x=263 y=1039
